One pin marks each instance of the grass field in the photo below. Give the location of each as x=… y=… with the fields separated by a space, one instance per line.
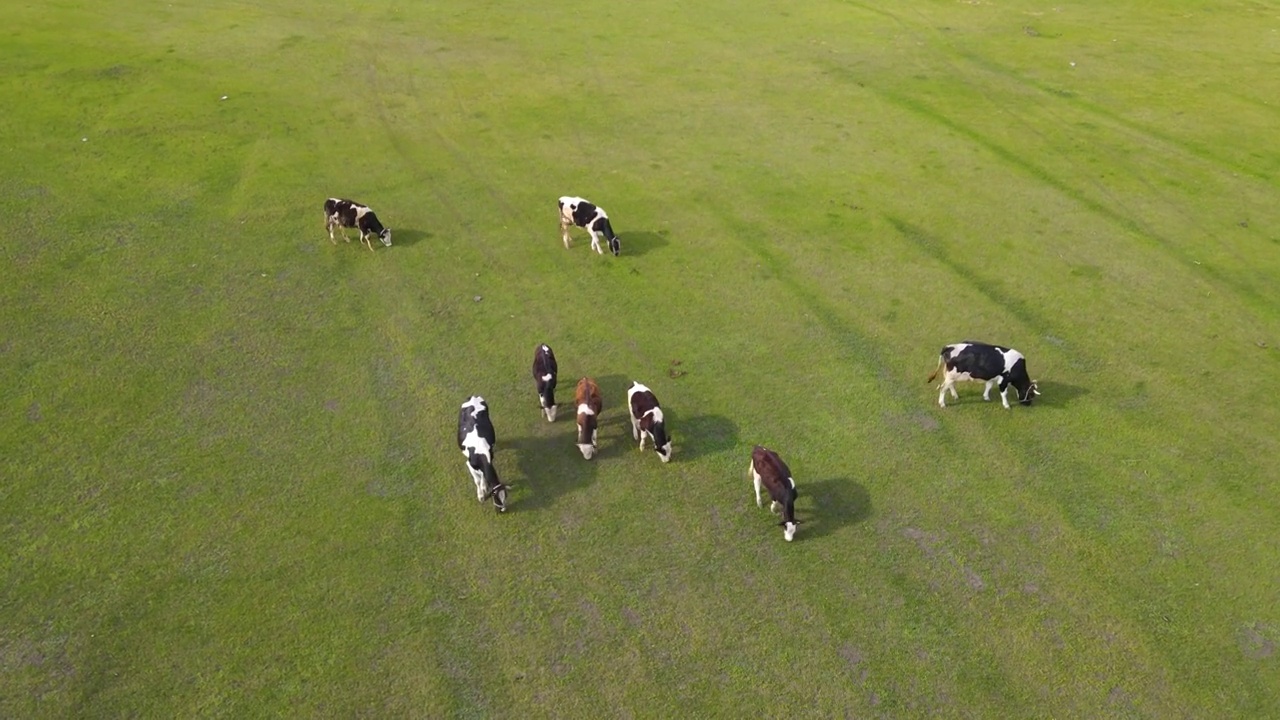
x=229 y=480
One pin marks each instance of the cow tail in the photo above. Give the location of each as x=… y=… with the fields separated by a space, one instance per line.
x=935 y=371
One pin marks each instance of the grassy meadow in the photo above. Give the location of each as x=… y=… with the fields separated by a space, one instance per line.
x=229 y=485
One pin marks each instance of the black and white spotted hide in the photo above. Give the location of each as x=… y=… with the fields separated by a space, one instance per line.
x=990 y=364
x=582 y=213
x=544 y=379
x=647 y=420
x=343 y=214
x=477 y=442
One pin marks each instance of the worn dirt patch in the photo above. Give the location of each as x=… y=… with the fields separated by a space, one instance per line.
x=632 y=617
x=1257 y=641
x=854 y=658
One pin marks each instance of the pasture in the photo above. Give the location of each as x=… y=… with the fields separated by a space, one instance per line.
x=228 y=479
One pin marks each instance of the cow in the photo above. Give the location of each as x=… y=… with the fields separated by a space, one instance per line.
x=990 y=364
x=343 y=214
x=580 y=212
x=646 y=420
x=477 y=442
x=589 y=405
x=769 y=471
x=544 y=379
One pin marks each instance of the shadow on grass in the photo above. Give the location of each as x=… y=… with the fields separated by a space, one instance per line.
x=1058 y=394
x=834 y=504
x=701 y=435
x=406 y=237
x=639 y=242
x=546 y=469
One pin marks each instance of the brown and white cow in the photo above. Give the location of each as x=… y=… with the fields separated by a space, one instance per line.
x=647 y=421
x=544 y=379
x=587 y=398
x=990 y=364
x=343 y=214
x=768 y=470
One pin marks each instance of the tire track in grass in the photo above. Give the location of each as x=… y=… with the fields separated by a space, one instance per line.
x=853 y=342
x=942 y=40
x=1185 y=146
x=1143 y=132
x=994 y=291
x=1130 y=225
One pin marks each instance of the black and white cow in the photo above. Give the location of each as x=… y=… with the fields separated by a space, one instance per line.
x=587 y=397
x=646 y=420
x=769 y=471
x=343 y=214
x=544 y=378
x=580 y=212
x=477 y=442
x=990 y=364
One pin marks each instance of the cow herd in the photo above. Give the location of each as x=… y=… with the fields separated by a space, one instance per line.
x=993 y=365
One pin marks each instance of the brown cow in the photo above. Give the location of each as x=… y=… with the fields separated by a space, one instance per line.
x=768 y=470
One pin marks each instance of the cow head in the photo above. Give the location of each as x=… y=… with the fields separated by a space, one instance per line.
x=662 y=442
x=385 y=236
x=789 y=528
x=1026 y=395
x=615 y=246
x=499 y=497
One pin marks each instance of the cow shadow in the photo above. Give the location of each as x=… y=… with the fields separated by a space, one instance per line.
x=1056 y=394
x=832 y=504
x=613 y=390
x=639 y=242
x=702 y=435
x=548 y=469
x=407 y=237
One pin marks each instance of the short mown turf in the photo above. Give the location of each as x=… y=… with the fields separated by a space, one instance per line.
x=228 y=479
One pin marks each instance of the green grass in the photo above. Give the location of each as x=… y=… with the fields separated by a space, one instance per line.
x=228 y=482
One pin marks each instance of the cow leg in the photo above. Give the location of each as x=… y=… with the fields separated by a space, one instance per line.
x=1004 y=396
x=986 y=391
x=595 y=241
x=367 y=240
x=635 y=429
x=942 y=394
x=755 y=476
x=478 y=478
x=773 y=506
x=564 y=234
x=642 y=435
x=328 y=225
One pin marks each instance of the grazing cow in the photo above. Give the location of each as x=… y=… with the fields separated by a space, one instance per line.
x=589 y=405
x=646 y=420
x=577 y=211
x=990 y=364
x=477 y=443
x=768 y=470
x=544 y=377
x=343 y=214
